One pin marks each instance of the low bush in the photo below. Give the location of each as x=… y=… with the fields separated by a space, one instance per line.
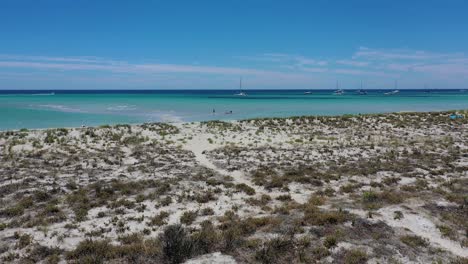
x=177 y=246
x=414 y=241
x=314 y=216
x=355 y=256
x=245 y=188
x=206 y=238
x=159 y=219
x=274 y=250
x=188 y=217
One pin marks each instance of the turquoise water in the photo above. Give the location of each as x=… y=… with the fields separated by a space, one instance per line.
x=47 y=109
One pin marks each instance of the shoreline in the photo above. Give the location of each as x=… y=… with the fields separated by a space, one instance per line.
x=463 y=111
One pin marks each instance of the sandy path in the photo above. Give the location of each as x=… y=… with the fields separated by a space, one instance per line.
x=423 y=227
x=199 y=144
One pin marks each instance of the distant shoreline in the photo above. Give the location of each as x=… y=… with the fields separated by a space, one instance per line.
x=92 y=91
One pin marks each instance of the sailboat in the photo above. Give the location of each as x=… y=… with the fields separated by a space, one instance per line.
x=241 y=93
x=394 y=91
x=361 y=91
x=338 y=91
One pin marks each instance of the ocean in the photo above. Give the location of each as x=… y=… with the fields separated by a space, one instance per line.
x=53 y=109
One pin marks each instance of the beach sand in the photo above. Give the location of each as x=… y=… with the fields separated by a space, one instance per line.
x=387 y=188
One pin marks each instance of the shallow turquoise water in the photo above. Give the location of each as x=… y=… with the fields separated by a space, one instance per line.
x=46 y=109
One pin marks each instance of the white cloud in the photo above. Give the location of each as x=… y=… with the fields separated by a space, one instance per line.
x=443 y=69
x=306 y=69
x=268 y=69
x=364 y=72
x=435 y=64
x=353 y=63
x=286 y=59
x=87 y=59
x=401 y=54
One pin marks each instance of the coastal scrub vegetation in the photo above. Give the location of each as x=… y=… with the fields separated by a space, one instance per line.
x=341 y=189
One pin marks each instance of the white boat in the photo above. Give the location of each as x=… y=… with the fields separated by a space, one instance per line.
x=338 y=91
x=394 y=91
x=241 y=93
x=308 y=92
x=361 y=91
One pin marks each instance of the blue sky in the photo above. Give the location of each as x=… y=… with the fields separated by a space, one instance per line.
x=73 y=44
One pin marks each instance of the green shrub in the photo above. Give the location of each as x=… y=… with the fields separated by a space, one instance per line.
x=316 y=200
x=284 y=197
x=330 y=241
x=314 y=216
x=23 y=240
x=414 y=241
x=92 y=251
x=446 y=231
x=369 y=197
x=349 y=188
x=207 y=211
x=159 y=219
x=13 y=211
x=274 y=250
x=177 y=246
x=397 y=215
x=206 y=238
x=188 y=217
x=245 y=188
x=355 y=256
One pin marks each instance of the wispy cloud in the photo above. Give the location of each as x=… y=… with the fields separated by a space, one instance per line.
x=443 y=69
x=111 y=71
x=125 y=67
x=87 y=59
x=437 y=64
x=353 y=63
x=365 y=72
x=291 y=60
x=268 y=69
x=401 y=54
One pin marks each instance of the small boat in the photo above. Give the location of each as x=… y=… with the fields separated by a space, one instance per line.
x=427 y=90
x=392 y=92
x=241 y=93
x=338 y=92
x=308 y=92
x=396 y=91
x=361 y=91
